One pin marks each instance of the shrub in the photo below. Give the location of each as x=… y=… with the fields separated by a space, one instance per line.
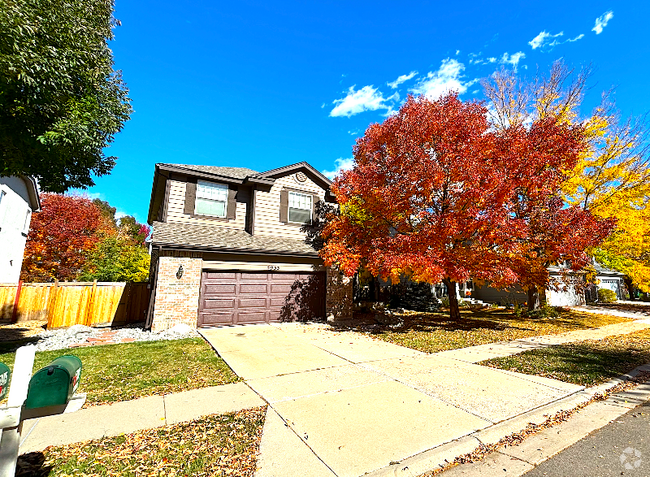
x=444 y=301
x=545 y=311
x=605 y=295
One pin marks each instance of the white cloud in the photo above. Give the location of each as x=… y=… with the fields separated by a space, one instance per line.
x=601 y=22
x=367 y=98
x=401 y=79
x=353 y=133
x=513 y=59
x=579 y=37
x=544 y=39
x=447 y=78
x=475 y=59
x=342 y=164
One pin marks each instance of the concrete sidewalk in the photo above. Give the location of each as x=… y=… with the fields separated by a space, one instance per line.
x=130 y=416
x=343 y=404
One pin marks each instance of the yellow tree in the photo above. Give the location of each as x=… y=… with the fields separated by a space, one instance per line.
x=612 y=177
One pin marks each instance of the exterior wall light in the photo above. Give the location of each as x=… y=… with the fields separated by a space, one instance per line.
x=179 y=273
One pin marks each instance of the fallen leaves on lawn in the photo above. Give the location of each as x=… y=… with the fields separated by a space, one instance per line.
x=225 y=444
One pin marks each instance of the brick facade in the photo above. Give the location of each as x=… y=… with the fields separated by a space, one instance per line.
x=339 y=300
x=177 y=299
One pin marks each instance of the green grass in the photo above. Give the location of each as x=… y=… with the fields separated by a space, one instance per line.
x=433 y=332
x=586 y=363
x=224 y=444
x=121 y=372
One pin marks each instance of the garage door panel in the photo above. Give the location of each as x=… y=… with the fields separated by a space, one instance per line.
x=251 y=277
x=220 y=289
x=252 y=302
x=219 y=275
x=251 y=316
x=215 y=318
x=242 y=297
x=257 y=289
x=218 y=303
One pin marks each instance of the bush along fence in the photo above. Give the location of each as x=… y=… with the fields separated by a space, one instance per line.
x=65 y=304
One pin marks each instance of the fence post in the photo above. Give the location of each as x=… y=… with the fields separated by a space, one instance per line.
x=89 y=308
x=51 y=301
x=14 y=312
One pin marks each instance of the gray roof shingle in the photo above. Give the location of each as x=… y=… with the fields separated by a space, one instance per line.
x=234 y=172
x=225 y=239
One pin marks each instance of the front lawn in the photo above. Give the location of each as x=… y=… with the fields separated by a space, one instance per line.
x=586 y=363
x=121 y=372
x=433 y=332
x=225 y=444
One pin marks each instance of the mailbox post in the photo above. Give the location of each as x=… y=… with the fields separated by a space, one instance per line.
x=50 y=391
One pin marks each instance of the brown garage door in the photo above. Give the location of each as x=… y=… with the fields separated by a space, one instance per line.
x=244 y=297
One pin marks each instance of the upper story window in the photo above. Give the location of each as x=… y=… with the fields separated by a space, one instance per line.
x=211 y=199
x=300 y=207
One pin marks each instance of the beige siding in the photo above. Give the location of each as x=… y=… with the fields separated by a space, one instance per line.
x=176 y=213
x=267 y=208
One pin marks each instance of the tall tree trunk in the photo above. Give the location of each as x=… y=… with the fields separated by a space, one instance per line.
x=454 y=311
x=533 y=298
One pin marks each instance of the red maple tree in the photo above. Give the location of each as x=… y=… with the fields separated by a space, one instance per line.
x=61 y=236
x=434 y=190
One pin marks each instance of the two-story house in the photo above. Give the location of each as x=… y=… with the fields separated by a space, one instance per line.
x=227 y=247
x=18 y=200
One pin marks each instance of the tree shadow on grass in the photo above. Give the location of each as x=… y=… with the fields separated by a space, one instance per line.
x=32 y=464
x=581 y=364
x=377 y=323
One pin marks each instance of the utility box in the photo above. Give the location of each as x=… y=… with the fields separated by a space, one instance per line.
x=5 y=374
x=54 y=384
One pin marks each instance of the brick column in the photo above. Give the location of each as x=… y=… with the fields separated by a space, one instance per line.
x=177 y=299
x=339 y=296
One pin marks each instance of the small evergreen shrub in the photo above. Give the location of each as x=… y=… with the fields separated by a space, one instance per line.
x=605 y=295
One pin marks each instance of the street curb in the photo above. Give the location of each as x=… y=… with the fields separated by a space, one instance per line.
x=441 y=456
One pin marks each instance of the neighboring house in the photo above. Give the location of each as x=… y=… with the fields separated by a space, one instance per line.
x=18 y=199
x=571 y=290
x=227 y=247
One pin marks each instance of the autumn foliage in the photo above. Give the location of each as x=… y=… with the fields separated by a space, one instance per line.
x=438 y=194
x=61 y=236
x=74 y=238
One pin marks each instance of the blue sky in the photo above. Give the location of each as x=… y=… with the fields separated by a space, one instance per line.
x=266 y=84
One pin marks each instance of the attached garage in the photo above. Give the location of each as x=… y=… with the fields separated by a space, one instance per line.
x=237 y=297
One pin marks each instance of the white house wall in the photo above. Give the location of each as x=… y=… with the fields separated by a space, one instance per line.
x=14 y=207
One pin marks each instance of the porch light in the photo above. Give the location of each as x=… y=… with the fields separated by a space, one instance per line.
x=179 y=273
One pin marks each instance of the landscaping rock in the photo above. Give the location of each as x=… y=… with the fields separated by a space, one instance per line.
x=81 y=336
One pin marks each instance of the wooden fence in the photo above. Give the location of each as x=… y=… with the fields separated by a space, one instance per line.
x=75 y=303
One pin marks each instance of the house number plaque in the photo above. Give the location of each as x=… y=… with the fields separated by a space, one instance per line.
x=274 y=267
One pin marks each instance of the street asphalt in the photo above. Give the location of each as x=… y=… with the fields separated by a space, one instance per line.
x=620 y=448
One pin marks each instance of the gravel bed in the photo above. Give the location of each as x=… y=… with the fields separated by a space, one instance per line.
x=77 y=334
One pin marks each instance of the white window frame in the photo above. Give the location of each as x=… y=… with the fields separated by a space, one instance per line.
x=211 y=195
x=311 y=206
x=28 y=216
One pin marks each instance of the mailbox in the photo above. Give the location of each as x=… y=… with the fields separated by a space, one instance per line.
x=5 y=374
x=55 y=383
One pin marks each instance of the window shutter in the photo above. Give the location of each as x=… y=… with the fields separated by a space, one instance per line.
x=314 y=200
x=284 y=206
x=232 y=203
x=190 y=197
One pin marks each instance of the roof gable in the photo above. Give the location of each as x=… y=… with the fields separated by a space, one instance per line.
x=304 y=167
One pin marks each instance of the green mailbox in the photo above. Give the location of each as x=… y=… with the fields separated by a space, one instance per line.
x=5 y=374
x=55 y=383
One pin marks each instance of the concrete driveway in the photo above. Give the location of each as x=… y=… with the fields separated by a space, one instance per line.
x=343 y=404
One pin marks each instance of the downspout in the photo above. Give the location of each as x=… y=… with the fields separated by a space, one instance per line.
x=152 y=297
